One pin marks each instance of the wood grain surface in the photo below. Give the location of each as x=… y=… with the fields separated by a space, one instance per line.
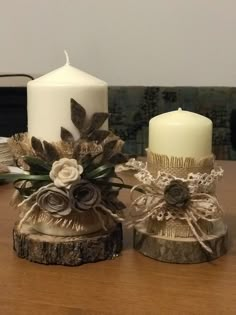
x=130 y=284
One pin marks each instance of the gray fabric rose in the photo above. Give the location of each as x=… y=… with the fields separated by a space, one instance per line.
x=65 y=171
x=177 y=193
x=84 y=195
x=54 y=200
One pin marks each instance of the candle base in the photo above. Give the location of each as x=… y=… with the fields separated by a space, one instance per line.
x=181 y=250
x=176 y=215
x=68 y=201
x=67 y=250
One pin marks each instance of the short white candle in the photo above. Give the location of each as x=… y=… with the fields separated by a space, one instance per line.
x=180 y=133
x=49 y=100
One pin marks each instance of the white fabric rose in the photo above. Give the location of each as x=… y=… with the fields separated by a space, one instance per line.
x=65 y=171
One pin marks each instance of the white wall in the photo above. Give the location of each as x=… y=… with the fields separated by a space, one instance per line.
x=125 y=42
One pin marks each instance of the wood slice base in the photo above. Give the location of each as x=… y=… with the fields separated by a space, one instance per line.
x=70 y=251
x=181 y=250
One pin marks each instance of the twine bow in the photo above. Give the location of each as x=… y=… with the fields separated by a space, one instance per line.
x=168 y=197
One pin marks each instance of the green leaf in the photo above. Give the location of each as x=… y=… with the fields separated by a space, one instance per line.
x=66 y=135
x=89 y=162
x=37 y=166
x=101 y=171
x=78 y=114
x=11 y=177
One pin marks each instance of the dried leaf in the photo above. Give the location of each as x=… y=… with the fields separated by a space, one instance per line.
x=108 y=149
x=87 y=161
x=78 y=114
x=96 y=121
x=77 y=152
x=118 y=158
x=37 y=146
x=51 y=152
x=66 y=135
x=99 y=135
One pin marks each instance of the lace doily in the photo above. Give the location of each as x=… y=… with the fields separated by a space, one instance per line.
x=197 y=182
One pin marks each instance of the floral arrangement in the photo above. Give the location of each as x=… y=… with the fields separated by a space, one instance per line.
x=65 y=181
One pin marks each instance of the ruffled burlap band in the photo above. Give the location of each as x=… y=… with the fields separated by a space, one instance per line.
x=178 y=166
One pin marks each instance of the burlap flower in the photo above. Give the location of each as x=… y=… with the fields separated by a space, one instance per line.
x=177 y=193
x=54 y=200
x=84 y=195
x=65 y=171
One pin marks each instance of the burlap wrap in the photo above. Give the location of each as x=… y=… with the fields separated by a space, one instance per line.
x=179 y=167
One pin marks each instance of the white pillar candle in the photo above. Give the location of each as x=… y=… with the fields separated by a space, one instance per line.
x=49 y=100
x=180 y=133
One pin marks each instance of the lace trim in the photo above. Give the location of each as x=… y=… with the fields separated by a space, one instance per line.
x=151 y=203
x=197 y=182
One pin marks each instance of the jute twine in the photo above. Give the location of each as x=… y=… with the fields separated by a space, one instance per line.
x=179 y=167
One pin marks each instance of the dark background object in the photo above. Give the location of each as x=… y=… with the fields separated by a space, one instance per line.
x=131 y=109
x=233 y=128
x=13 y=104
x=13 y=113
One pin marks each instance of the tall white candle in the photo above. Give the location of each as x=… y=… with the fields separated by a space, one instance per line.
x=49 y=100
x=181 y=134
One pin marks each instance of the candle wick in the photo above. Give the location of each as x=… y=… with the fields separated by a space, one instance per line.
x=67 y=58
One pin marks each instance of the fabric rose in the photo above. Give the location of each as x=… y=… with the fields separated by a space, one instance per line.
x=65 y=171
x=84 y=195
x=54 y=200
x=177 y=193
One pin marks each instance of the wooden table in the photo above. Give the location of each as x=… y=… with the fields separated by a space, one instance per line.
x=130 y=284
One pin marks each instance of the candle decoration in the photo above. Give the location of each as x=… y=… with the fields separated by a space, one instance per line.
x=49 y=95
x=68 y=196
x=175 y=212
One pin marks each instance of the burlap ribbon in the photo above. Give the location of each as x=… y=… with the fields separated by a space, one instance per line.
x=36 y=207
